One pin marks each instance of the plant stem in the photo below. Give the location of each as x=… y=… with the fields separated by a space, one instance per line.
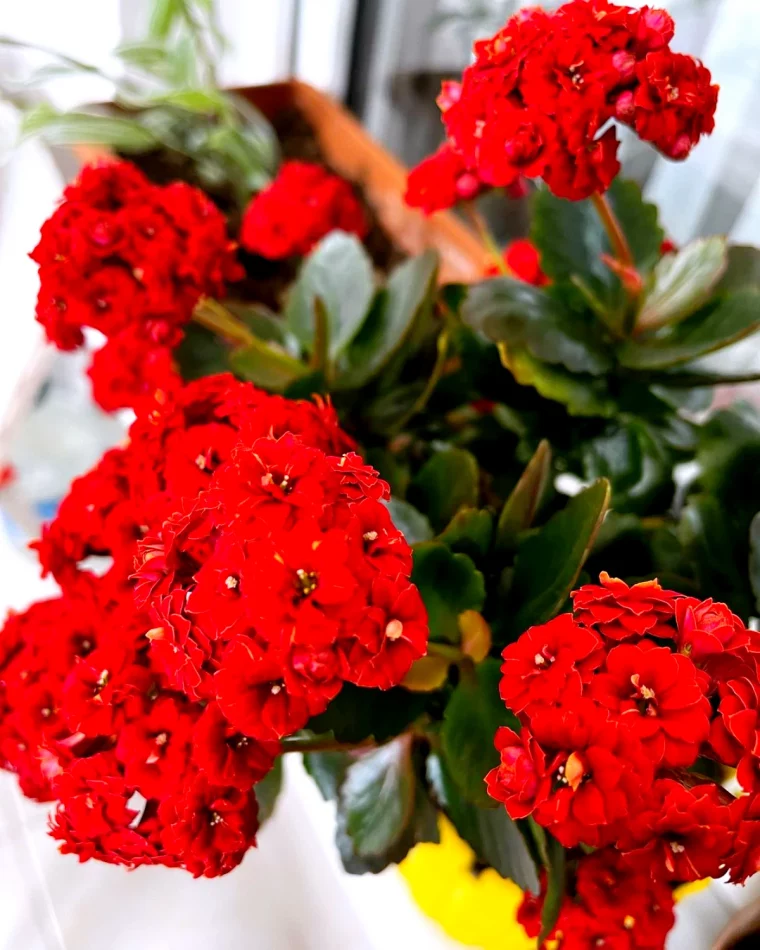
x=484 y=232
x=209 y=313
x=322 y=744
x=442 y=344
x=617 y=238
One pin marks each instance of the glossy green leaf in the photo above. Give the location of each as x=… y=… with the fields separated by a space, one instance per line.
x=339 y=273
x=470 y=531
x=448 y=481
x=449 y=584
x=490 y=832
x=395 y=311
x=513 y=312
x=682 y=282
x=582 y=395
x=520 y=508
x=81 y=128
x=328 y=769
x=267 y=366
x=268 y=790
x=472 y=716
x=411 y=523
x=377 y=797
x=548 y=562
x=732 y=319
x=357 y=714
x=571 y=239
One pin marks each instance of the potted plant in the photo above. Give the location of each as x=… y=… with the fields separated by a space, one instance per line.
x=328 y=549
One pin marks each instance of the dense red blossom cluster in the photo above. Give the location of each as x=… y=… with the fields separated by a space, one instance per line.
x=608 y=906
x=268 y=573
x=130 y=259
x=617 y=702
x=303 y=204
x=538 y=99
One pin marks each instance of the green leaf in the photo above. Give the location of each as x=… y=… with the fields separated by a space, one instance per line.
x=469 y=531
x=196 y=101
x=448 y=481
x=520 y=508
x=734 y=318
x=396 y=310
x=268 y=790
x=682 y=282
x=582 y=395
x=146 y=55
x=513 y=312
x=201 y=353
x=548 y=562
x=743 y=269
x=339 y=273
x=267 y=366
x=449 y=584
x=472 y=716
x=556 y=875
x=357 y=714
x=81 y=128
x=164 y=15
x=328 y=769
x=411 y=523
x=633 y=457
x=496 y=840
x=571 y=238
x=377 y=798
x=754 y=558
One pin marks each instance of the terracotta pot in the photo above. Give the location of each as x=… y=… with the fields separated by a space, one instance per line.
x=356 y=156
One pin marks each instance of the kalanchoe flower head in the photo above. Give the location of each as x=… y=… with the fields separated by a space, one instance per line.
x=251 y=569
x=441 y=181
x=541 y=91
x=620 y=612
x=303 y=204
x=129 y=259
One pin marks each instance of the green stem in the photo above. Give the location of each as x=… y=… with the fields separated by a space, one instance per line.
x=615 y=233
x=209 y=313
x=484 y=232
x=556 y=872
x=442 y=344
x=322 y=744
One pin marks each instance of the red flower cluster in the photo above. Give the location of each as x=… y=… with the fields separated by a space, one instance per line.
x=608 y=905
x=617 y=702
x=269 y=573
x=541 y=91
x=303 y=204
x=129 y=259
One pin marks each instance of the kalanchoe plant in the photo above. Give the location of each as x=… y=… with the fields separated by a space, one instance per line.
x=327 y=549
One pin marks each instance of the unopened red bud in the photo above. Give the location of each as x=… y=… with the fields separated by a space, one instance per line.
x=624 y=106
x=467 y=186
x=625 y=63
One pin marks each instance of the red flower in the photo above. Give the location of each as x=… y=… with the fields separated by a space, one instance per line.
x=253 y=694
x=588 y=773
x=440 y=181
x=129 y=259
x=659 y=698
x=520 y=776
x=705 y=628
x=228 y=757
x=303 y=204
x=549 y=664
x=208 y=828
x=620 y=612
x=387 y=637
x=685 y=834
x=735 y=731
x=543 y=88
x=524 y=262
x=155 y=748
